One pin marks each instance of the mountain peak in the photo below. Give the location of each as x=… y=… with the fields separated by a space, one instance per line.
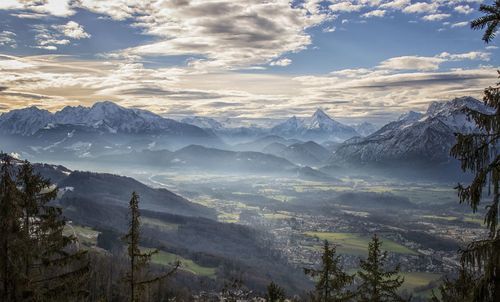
x=106 y=105
x=320 y=114
x=410 y=116
x=446 y=108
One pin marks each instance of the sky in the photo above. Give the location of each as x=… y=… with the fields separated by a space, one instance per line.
x=359 y=60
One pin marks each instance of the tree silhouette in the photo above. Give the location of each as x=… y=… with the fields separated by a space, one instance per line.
x=490 y=20
x=376 y=283
x=332 y=280
x=478 y=154
x=37 y=261
x=275 y=293
x=139 y=261
x=456 y=290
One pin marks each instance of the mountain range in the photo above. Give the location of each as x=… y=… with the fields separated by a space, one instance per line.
x=106 y=130
x=414 y=136
x=319 y=127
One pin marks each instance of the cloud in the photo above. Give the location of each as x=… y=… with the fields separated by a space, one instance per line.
x=464 y=9
x=412 y=63
x=51 y=37
x=281 y=62
x=436 y=17
x=473 y=55
x=330 y=29
x=374 y=13
x=460 y=24
x=430 y=63
x=8 y=38
x=47 y=39
x=58 y=8
x=378 y=93
x=72 y=30
x=345 y=6
x=396 y=4
x=421 y=7
x=222 y=35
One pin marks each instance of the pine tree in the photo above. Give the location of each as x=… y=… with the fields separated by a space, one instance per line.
x=139 y=261
x=478 y=154
x=10 y=213
x=332 y=280
x=275 y=293
x=491 y=20
x=41 y=263
x=457 y=290
x=376 y=283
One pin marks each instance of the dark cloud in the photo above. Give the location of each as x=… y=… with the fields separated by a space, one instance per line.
x=172 y=94
x=224 y=104
x=27 y=95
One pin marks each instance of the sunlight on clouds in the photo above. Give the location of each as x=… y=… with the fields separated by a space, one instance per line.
x=229 y=51
x=377 y=93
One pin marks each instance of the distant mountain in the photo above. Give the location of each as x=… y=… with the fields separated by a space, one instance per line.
x=199 y=158
x=203 y=122
x=25 y=121
x=109 y=115
x=260 y=143
x=319 y=127
x=365 y=128
x=112 y=189
x=226 y=129
x=308 y=153
x=104 y=128
x=417 y=137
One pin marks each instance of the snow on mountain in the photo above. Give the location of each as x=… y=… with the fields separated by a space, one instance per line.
x=116 y=117
x=203 y=122
x=411 y=116
x=416 y=136
x=365 y=128
x=103 y=115
x=25 y=121
x=319 y=126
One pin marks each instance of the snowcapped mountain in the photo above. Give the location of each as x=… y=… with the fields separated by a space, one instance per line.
x=228 y=129
x=25 y=121
x=203 y=122
x=107 y=115
x=415 y=136
x=365 y=128
x=85 y=132
x=411 y=116
x=319 y=127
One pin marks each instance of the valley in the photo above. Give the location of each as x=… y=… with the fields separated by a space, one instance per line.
x=226 y=201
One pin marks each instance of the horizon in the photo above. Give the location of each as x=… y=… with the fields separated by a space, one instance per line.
x=367 y=60
x=263 y=122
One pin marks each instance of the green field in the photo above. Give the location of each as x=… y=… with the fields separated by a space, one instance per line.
x=414 y=280
x=164 y=226
x=447 y=218
x=86 y=236
x=277 y=215
x=357 y=244
x=164 y=258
